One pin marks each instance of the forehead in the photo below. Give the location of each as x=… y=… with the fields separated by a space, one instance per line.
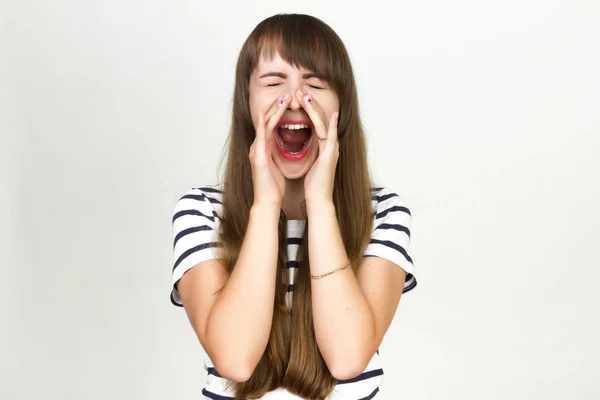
x=276 y=63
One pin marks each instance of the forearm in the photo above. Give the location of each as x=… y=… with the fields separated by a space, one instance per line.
x=343 y=322
x=239 y=323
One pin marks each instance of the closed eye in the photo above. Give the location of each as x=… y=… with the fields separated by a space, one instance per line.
x=273 y=84
x=315 y=87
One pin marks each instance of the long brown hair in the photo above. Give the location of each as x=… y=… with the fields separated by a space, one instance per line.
x=292 y=359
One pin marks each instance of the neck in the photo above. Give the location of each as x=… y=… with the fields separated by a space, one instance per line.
x=293 y=198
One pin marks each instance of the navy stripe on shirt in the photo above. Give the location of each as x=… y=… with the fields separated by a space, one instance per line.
x=193 y=250
x=369 y=397
x=191 y=230
x=394 y=246
x=195 y=212
x=363 y=376
x=396 y=227
x=294 y=240
x=385 y=197
x=208 y=189
x=201 y=197
x=392 y=209
x=214 y=396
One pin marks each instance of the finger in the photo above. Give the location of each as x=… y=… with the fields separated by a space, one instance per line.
x=278 y=109
x=251 y=152
x=332 y=141
x=260 y=126
x=314 y=112
x=260 y=148
x=332 y=132
x=276 y=106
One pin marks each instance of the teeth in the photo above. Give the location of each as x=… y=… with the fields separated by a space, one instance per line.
x=294 y=126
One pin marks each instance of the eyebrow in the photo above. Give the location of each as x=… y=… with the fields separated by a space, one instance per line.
x=281 y=75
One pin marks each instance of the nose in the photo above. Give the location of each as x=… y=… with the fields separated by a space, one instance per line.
x=294 y=103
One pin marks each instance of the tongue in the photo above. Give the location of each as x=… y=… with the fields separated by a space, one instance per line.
x=294 y=139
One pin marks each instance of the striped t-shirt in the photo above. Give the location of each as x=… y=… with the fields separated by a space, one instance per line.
x=196 y=221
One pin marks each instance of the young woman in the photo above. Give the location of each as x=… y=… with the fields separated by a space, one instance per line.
x=291 y=270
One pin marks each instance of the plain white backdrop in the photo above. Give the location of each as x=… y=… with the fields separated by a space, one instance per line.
x=484 y=116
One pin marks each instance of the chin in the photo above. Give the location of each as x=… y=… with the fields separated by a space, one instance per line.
x=293 y=171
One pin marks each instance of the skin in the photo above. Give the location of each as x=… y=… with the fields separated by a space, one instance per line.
x=270 y=82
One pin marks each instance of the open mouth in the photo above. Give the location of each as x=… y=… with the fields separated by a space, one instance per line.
x=294 y=138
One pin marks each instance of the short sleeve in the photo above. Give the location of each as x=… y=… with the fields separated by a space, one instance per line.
x=195 y=232
x=391 y=233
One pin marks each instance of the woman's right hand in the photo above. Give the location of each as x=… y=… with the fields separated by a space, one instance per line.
x=269 y=183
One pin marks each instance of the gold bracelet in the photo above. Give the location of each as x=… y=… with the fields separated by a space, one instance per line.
x=331 y=272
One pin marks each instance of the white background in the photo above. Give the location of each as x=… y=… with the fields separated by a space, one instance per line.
x=484 y=116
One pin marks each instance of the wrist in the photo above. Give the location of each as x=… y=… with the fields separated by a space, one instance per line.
x=319 y=206
x=265 y=211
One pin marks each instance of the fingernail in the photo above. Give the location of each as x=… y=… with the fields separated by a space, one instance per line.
x=282 y=102
x=307 y=97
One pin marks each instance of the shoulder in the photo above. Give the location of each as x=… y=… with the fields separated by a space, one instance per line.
x=206 y=200
x=385 y=200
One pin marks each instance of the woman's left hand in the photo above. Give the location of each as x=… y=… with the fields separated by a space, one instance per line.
x=318 y=182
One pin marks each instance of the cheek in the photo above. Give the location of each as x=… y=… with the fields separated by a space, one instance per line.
x=329 y=103
x=255 y=107
x=253 y=115
x=255 y=102
x=261 y=102
x=335 y=104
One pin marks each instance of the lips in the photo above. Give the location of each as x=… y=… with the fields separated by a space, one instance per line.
x=293 y=138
